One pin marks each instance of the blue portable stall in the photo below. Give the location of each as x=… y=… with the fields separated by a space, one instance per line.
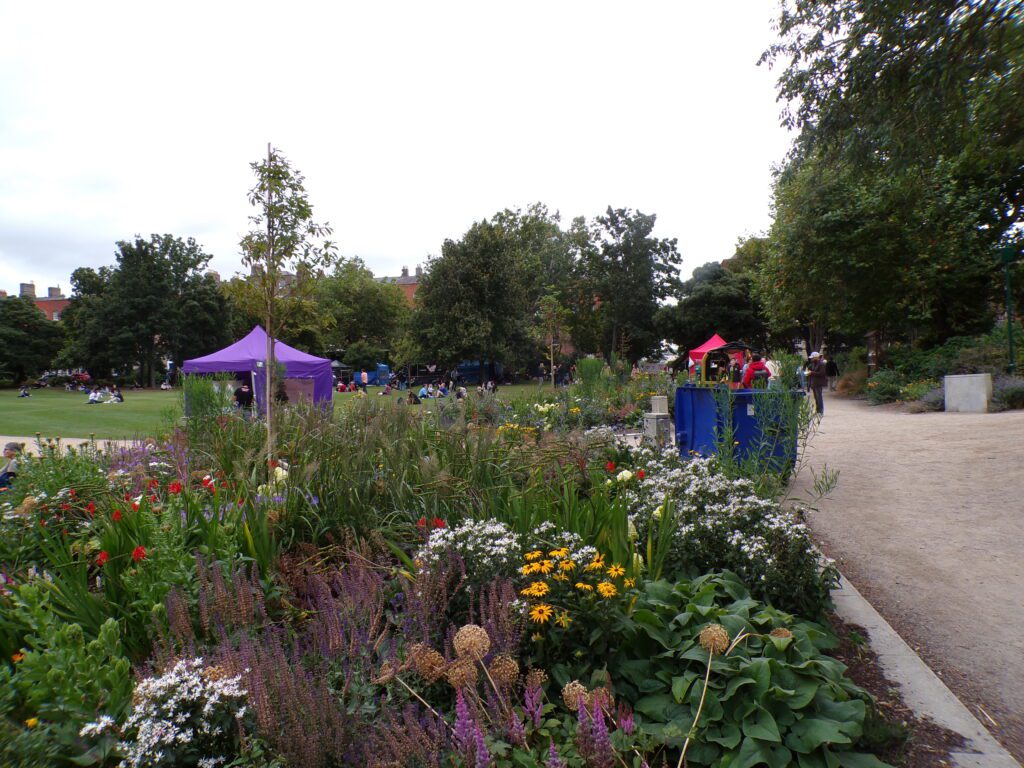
x=703 y=413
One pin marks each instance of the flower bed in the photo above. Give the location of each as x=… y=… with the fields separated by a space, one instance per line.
x=390 y=592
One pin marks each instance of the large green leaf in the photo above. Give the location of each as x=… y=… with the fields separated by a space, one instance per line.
x=762 y=726
x=812 y=732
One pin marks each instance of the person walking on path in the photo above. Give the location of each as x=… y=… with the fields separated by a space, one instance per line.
x=817 y=377
x=832 y=369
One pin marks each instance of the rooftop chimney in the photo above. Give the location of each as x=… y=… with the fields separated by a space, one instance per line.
x=3 y=294
x=27 y=289
x=419 y=271
x=405 y=271
x=54 y=293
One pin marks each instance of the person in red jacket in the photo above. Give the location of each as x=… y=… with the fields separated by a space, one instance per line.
x=757 y=372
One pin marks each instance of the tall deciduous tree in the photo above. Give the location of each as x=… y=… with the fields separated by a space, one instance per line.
x=911 y=119
x=157 y=301
x=713 y=301
x=628 y=273
x=29 y=341
x=473 y=301
x=552 y=328
x=284 y=251
x=361 y=308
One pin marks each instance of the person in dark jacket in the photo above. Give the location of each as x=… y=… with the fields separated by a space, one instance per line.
x=833 y=373
x=817 y=377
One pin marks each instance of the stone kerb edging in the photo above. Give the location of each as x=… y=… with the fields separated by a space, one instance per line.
x=922 y=690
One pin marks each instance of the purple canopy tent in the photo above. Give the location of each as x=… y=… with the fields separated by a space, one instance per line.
x=250 y=355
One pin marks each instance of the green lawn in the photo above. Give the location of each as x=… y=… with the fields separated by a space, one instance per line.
x=54 y=412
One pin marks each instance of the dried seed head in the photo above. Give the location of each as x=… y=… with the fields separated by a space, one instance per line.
x=781 y=632
x=428 y=663
x=535 y=678
x=461 y=674
x=386 y=674
x=714 y=639
x=472 y=642
x=505 y=670
x=572 y=693
x=213 y=674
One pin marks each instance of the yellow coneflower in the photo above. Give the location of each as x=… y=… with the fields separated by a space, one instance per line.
x=584 y=587
x=563 y=620
x=535 y=555
x=616 y=570
x=536 y=589
x=545 y=566
x=563 y=552
x=597 y=563
x=567 y=565
x=607 y=589
x=32 y=722
x=529 y=568
x=629 y=582
x=559 y=577
x=541 y=612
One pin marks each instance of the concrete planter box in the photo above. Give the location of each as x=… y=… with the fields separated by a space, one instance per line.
x=970 y=393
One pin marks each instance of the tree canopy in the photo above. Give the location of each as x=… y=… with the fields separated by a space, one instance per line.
x=909 y=167
x=28 y=339
x=157 y=301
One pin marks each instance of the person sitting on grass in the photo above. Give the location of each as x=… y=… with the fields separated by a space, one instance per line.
x=115 y=395
x=23 y=392
x=9 y=468
x=95 y=397
x=413 y=398
x=424 y=392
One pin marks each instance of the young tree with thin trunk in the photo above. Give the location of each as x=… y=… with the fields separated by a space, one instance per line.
x=284 y=251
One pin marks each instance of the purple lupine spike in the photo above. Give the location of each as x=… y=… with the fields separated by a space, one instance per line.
x=464 y=725
x=602 y=742
x=625 y=721
x=584 y=736
x=532 y=704
x=553 y=760
x=482 y=755
x=516 y=732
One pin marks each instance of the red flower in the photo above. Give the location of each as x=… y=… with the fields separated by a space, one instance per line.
x=116 y=516
x=73 y=492
x=153 y=498
x=135 y=506
x=610 y=466
x=272 y=463
x=154 y=483
x=90 y=508
x=422 y=522
x=101 y=560
x=438 y=522
x=174 y=488
x=139 y=553
x=127 y=496
x=209 y=482
x=241 y=502
x=641 y=474
x=65 y=507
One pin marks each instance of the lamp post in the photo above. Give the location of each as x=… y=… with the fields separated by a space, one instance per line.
x=1008 y=254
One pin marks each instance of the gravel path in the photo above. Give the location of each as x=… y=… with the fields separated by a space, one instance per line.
x=927 y=520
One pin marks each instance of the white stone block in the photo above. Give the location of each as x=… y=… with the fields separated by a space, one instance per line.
x=659 y=404
x=658 y=428
x=969 y=393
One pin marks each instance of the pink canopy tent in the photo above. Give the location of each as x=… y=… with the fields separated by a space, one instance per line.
x=249 y=355
x=697 y=354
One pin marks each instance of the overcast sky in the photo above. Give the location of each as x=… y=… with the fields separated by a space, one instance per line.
x=409 y=120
